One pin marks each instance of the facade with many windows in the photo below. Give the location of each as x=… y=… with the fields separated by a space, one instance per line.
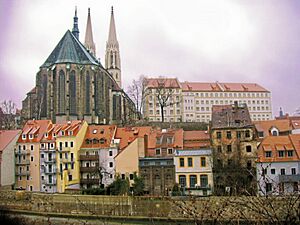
x=193 y=101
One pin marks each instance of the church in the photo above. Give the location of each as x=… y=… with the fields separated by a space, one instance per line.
x=72 y=84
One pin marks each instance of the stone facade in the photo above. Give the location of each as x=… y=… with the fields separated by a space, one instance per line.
x=234 y=143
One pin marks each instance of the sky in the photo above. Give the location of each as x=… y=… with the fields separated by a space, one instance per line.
x=195 y=40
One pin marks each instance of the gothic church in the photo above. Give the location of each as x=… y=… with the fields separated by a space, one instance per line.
x=72 y=84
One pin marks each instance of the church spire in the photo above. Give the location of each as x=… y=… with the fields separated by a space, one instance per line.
x=89 y=42
x=112 y=36
x=112 y=55
x=75 y=30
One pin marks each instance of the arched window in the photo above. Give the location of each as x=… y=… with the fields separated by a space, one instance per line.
x=274 y=133
x=44 y=97
x=112 y=59
x=87 y=92
x=72 y=88
x=61 y=92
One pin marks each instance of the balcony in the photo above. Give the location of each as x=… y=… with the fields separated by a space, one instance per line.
x=23 y=162
x=89 y=181
x=50 y=171
x=23 y=173
x=289 y=178
x=89 y=157
x=91 y=169
x=22 y=152
x=50 y=160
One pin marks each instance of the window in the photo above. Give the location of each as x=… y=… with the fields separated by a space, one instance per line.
x=293 y=171
x=248 y=148
x=157 y=151
x=72 y=156
x=247 y=133
x=169 y=140
x=282 y=171
x=268 y=187
x=123 y=176
x=273 y=171
x=203 y=161
x=131 y=176
x=170 y=151
x=181 y=162
x=203 y=180
x=71 y=144
x=66 y=144
x=31 y=158
x=70 y=177
x=190 y=162
x=31 y=147
x=219 y=148
x=60 y=145
x=158 y=141
x=260 y=134
x=23 y=136
x=290 y=153
x=42 y=156
x=229 y=149
x=182 y=180
x=72 y=166
x=228 y=134
x=111 y=164
x=219 y=135
x=193 y=180
x=110 y=153
x=66 y=155
x=268 y=154
x=274 y=133
x=281 y=153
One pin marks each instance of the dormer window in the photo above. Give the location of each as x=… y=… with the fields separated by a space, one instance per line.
x=274 y=133
x=30 y=136
x=42 y=146
x=102 y=141
x=70 y=133
x=46 y=135
x=62 y=133
x=102 y=131
x=169 y=140
x=94 y=131
x=23 y=136
x=54 y=134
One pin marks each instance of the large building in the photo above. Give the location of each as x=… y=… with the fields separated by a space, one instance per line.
x=73 y=85
x=193 y=101
x=234 y=143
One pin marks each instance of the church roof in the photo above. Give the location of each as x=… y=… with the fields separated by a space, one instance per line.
x=70 y=50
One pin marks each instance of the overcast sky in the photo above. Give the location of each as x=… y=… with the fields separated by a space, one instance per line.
x=200 y=40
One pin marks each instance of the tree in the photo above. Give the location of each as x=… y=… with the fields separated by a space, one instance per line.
x=138 y=185
x=164 y=93
x=119 y=186
x=8 y=115
x=137 y=92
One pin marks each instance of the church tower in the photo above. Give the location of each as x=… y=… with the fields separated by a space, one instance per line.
x=89 y=41
x=112 y=55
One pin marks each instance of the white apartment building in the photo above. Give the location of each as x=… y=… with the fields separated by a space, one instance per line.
x=197 y=99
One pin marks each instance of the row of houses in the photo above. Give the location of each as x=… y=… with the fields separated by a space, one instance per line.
x=234 y=156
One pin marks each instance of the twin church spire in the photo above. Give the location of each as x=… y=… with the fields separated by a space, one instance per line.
x=112 y=54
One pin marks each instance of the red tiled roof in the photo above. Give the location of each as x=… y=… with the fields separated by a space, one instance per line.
x=196 y=139
x=98 y=132
x=164 y=82
x=6 y=136
x=229 y=87
x=39 y=125
x=282 y=125
x=129 y=134
x=279 y=143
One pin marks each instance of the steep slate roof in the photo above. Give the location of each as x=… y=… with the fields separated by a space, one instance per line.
x=226 y=116
x=226 y=87
x=70 y=50
x=6 y=136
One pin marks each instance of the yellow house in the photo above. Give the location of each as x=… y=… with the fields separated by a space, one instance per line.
x=127 y=160
x=69 y=137
x=193 y=169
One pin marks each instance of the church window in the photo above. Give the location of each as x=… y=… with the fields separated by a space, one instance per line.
x=72 y=88
x=61 y=92
x=87 y=93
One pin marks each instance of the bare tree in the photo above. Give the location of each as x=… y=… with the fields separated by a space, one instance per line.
x=137 y=92
x=8 y=114
x=164 y=93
